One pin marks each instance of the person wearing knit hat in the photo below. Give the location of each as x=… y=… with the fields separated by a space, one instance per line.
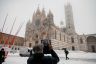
x=39 y=58
x=38 y=48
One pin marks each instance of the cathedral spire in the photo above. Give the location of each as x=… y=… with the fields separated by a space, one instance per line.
x=33 y=17
x=43 y=13
x=50 y=13
x=38 y=10
x=50 y=17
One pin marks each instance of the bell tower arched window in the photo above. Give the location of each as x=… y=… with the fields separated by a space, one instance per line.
x=81 y=41
x=60 y=36
x=72 y=39
x=55 y=34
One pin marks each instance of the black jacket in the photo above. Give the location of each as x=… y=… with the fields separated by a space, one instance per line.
x=2 y=56
x=39 y=58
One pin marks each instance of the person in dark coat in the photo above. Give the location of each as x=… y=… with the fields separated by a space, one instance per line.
x=30 y=52
x=2 y=55
x=66 y=53
x=39 y=58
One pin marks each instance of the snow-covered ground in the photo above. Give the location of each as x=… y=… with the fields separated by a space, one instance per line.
x=76 y=57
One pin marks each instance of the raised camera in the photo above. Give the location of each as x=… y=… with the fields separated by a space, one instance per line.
x=46 y=44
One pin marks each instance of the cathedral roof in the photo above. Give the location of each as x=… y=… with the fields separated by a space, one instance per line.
x=92 y=35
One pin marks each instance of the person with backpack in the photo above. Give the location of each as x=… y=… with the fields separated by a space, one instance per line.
x=2 y=55
x=66 y=53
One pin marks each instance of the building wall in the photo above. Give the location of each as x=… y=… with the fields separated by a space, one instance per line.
x=91 y=42
x=43 y=26
x=59 y=38
x=19 y=41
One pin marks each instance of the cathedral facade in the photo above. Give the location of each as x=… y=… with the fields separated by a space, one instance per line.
x=42 y=27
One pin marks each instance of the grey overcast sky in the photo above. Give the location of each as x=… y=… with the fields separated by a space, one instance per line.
x=84 y=13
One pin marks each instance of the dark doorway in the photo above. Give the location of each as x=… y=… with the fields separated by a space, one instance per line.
x=81 y=41
x=93 y=48
x=30 y=45
x=72 y=39
x=73 y=48
x=36 y=42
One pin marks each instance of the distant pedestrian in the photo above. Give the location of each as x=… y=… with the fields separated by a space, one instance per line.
x=30 y=52
x=2 y=55
x=66 y=53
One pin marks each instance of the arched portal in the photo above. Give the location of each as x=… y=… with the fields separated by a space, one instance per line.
x=91 y=42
